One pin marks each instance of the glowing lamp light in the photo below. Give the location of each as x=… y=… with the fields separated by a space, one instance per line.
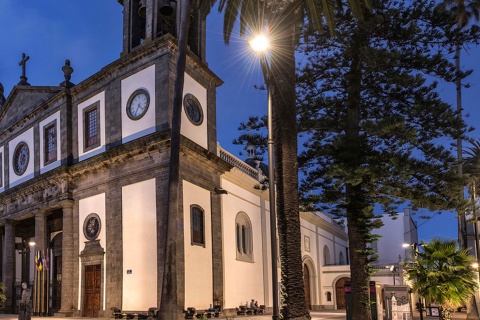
x=475 y=265
x=259 y=43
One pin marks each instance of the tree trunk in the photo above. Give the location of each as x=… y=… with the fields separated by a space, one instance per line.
x=359 y=212
x=293 y=305
x=170 y=308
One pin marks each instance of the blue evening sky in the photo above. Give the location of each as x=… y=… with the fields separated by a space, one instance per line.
x=89 y=33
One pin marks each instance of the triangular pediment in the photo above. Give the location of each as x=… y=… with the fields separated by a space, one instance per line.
x=22 y=101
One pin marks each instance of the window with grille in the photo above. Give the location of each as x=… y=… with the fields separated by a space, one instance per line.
x=91 y=128
x=244 y=237
x=197 y=225
x=50 y=143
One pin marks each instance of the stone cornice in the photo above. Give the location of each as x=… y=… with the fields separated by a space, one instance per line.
x=325 y=225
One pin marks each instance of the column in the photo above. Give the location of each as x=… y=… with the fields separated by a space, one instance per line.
x=8 y=266
x=40 y=231
x=68 y=261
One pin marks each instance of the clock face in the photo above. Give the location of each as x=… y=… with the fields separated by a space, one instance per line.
x=21 y=156
x=193 y=109
x=137 y=104
x=91 y=226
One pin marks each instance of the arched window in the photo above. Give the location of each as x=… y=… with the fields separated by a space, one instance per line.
x=326 y=255
x=197 y=222
x=329 y=296
x=243 y=233
x=340 y=258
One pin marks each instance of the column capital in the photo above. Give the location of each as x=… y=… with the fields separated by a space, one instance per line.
x=67 y=203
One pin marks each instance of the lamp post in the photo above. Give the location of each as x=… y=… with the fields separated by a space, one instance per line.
x=260 y=45
x=415 y=254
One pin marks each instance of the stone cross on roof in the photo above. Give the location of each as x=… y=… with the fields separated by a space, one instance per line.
x=23 y=64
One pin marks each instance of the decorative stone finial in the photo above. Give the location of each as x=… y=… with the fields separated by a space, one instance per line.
x=23 y=64
x=2 y=97
x=67 y=73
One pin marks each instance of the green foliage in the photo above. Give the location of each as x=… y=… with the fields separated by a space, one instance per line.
x=401 y=149
x=443 y=274
x=2 y=295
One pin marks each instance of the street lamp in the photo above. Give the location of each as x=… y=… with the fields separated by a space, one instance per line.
x=260 y=45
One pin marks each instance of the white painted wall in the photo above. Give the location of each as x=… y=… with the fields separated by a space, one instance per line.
x=133 y=129
x=100 y=97
x=243 y=280
x=198 y=259
x=139 y=234
x=26 y=137
x=94 y=204
x=197 y=134
x=53 y=117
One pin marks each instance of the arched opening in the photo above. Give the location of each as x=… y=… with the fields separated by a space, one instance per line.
x=326 y=255
x=306 y=286
x=56 y=266
x=340 y=293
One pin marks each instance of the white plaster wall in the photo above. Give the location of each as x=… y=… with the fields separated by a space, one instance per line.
x=26 y=137
x=100 y=97
x=53 y=117
x=139 y=234
x=198 y=259
x=133 y=129
x=93 y=204
x=197 y=134
x=3 y=163
x=243 y=280
x=389 y=246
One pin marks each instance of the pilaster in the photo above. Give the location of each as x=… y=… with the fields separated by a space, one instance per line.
x=8 y=266
x=68 y=260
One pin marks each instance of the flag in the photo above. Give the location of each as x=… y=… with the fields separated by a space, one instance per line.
x=36 y=260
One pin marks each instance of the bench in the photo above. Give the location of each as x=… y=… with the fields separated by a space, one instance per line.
x=118 y=314
x=241 y=310
x=260 y=310
x=189 y=313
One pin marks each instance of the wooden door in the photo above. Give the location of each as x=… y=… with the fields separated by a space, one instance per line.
x=340 y=293
x=306 y=286
x=92 y=290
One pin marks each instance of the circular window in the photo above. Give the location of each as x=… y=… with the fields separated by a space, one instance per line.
x=193 y=109
x=92 y=226
x=21 y=156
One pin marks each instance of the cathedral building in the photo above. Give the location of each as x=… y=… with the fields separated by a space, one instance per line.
x=84 y=182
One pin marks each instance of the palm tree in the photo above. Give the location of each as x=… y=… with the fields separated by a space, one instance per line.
x=169 y=304
x=443 y=275
x=285 y=17
x=471 y=166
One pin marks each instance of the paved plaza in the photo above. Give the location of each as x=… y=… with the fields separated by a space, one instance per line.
x=316 y=315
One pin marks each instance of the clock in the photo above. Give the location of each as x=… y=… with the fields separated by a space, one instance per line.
x=92 y=226
x=21 y=156
x=137 y=104
x=193 y=109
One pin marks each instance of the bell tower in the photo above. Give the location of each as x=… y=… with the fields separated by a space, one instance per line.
x=146 y=20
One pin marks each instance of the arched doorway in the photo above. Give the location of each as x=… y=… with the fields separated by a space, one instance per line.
x=306 y=286
x=56 y=245
x=340 y=293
